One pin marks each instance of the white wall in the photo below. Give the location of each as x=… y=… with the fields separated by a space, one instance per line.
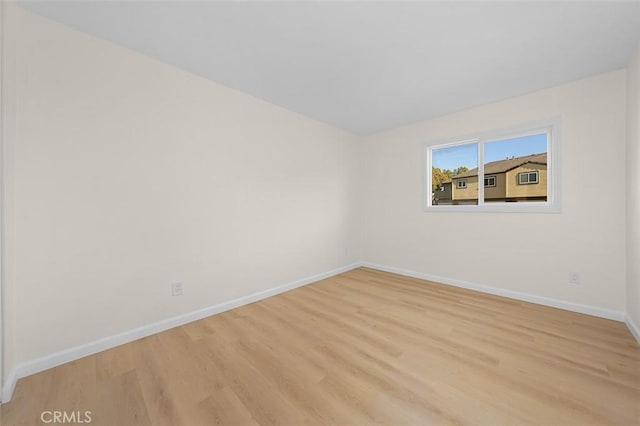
x=8 y=134
x=2 y=322
x=523 y=252
x=125 y=174
x=633 y=189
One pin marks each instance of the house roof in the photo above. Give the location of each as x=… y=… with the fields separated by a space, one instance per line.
x=502 y=166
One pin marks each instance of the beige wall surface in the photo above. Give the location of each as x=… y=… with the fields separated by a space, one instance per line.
x=588 y=236
x=633 y=189
x=128 y=174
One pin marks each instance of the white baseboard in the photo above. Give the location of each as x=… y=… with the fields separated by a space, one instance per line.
x=49 y=361
x=71 y=354
x=9 y=387
x=633 y=327
x=547 y=301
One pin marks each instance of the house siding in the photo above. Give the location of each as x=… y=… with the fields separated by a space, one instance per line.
x=514 y=190
x=468 y=193
x=499 y=191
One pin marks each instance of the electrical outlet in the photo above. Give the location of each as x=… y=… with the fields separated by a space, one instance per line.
x=176 y=289
x=574 y=278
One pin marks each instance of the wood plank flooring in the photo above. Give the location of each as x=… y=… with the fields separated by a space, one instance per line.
x=360 y=348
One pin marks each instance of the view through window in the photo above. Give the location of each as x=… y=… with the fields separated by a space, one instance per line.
x=510 y=169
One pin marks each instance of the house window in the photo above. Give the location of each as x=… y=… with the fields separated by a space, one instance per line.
x=519 y=166
x=489 y=181
x=527 y=178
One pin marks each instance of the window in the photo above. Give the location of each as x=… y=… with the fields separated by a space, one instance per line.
x=518 y=170
x=489 y=181
x=527 y=178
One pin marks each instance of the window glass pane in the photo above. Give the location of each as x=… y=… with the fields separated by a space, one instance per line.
x=454 y=175
x=490 y=181
x=519 y=165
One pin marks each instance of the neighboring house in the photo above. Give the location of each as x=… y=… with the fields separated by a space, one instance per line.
x=511 y=180
x=442 y=194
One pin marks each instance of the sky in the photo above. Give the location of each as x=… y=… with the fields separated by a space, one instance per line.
x=467 y=155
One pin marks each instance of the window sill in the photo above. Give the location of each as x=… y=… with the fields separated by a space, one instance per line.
x=495 y=208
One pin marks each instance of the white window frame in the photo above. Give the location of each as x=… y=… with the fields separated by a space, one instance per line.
x=552 y=205
x=463 y=181
x=494 y=177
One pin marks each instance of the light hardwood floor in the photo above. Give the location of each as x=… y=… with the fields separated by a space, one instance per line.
x=360 y=348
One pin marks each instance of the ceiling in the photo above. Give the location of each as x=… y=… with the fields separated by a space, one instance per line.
x=370 y=66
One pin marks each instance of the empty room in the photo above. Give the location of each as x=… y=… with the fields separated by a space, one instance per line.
x=319 y=213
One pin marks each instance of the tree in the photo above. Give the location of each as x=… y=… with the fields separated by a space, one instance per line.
x=438 y=176
x=459 y=170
